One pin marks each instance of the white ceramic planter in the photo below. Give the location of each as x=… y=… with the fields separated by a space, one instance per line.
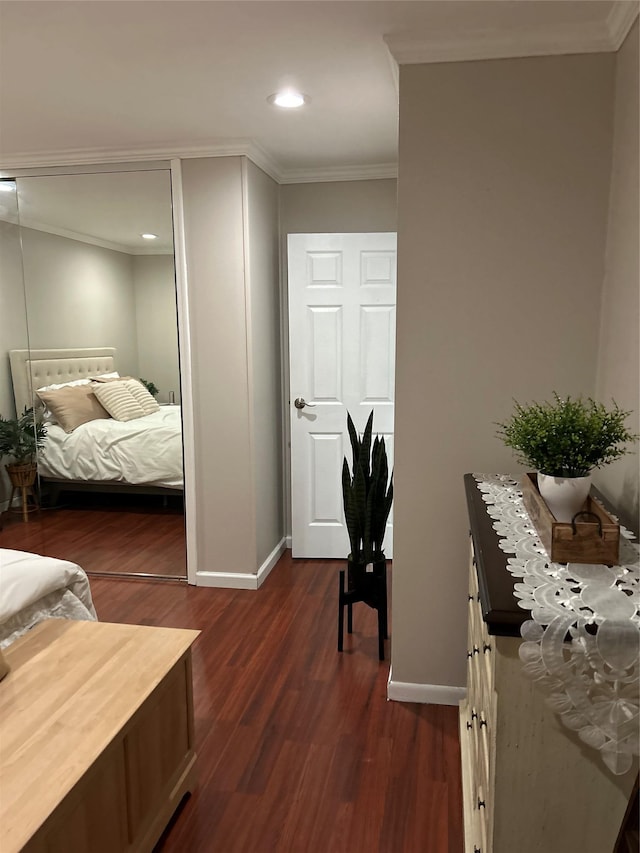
x=565 y=496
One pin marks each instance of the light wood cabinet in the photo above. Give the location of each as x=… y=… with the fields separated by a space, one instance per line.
x=529 y=784
x=96 y=749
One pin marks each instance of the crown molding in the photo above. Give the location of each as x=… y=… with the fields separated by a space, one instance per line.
x=372 y=172
x=589 y=37
x=620 y=20
x=230 y=148
x=94 y=156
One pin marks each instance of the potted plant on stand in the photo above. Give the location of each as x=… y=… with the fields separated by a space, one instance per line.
x=367 y=493
x=564 y=441
x=20 y=439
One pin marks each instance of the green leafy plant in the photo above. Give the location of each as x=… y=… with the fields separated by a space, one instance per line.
x=21 y=437
x=151 y=388
x=567 y=438
x=367 y=500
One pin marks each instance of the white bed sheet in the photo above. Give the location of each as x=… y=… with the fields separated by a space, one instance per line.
x=33 y=588
x=144 y=451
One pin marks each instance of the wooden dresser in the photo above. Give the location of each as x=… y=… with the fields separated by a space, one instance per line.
x=529 y=784
x=96 y=737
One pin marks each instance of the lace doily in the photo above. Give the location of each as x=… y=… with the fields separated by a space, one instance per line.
x=592 y=682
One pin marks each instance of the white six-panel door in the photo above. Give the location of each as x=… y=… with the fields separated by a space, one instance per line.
x=342 y=296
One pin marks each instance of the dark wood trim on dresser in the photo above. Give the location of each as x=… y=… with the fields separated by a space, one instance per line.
x=499 y=607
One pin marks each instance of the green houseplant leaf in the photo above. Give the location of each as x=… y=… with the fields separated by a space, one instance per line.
x=21 y=437
x=567 y=437
x=366 y=497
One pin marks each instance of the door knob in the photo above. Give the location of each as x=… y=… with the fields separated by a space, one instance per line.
x=300 y=403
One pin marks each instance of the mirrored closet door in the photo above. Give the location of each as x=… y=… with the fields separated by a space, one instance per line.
x=102 y=369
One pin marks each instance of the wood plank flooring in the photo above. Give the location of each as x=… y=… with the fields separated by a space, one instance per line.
x=298 y=749
x=116 y=534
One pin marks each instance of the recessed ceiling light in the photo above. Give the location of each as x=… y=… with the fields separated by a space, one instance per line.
x=7 y=186
x=289 y=99
x=149 y=236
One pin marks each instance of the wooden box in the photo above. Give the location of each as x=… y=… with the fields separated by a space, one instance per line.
x=585 y=541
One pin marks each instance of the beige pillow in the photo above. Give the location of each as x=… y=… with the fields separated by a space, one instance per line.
x=118 y=400
x=73 y=405
x=146 y=400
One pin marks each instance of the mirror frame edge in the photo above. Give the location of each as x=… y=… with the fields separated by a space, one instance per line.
x=184 y=353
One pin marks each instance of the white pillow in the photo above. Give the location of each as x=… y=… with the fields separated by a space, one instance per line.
x=114 y=375
x=47 y=414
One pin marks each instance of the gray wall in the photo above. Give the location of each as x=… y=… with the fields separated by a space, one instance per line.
x=338 y=207
x=266 y=363
x=231 y=228
x=618 y=355
x=504 y=176
x=79 y=295
x=214 y=238
x=156 y=323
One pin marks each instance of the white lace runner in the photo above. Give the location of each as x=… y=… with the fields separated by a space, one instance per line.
x=592 y=682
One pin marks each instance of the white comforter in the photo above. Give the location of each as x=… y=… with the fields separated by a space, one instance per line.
x=33 y=588
x=145 y=451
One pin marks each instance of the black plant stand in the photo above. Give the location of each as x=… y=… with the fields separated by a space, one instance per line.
x=369 y=587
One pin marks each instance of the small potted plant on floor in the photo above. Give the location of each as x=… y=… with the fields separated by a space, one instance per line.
x=564 y=441
x=367 y=493
x=20 y=439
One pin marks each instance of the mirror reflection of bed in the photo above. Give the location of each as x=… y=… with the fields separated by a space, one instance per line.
x=96 y=465
x=100 y=299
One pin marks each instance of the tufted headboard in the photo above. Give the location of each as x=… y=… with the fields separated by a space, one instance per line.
x=31 y=369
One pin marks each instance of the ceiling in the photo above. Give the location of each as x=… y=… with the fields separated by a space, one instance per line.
x=98 y=81
x=85 y=82
x=108 y=209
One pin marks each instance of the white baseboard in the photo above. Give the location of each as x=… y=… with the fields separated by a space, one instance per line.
x=242 y=580
x=269 y=563
x=288 y=540
x=425 y=694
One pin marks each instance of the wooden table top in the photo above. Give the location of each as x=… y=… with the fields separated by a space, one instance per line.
x=73 y=686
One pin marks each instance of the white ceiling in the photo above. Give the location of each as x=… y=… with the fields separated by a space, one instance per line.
x=91 y=81
x=88 y=81
x=111 y=209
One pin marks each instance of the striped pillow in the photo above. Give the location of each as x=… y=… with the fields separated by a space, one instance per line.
x=146 y=400
x=118 y=400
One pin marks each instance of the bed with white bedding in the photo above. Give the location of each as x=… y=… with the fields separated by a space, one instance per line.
x=34 y=588
x=143 y=454
x=145 y=451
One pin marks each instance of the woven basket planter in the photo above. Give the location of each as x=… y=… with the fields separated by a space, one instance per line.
x=22 y=475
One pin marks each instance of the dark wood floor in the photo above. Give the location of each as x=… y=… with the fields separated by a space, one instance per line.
x=112 y=534
x=298 y=749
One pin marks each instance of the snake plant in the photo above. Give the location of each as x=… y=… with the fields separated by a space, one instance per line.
x=367 y=499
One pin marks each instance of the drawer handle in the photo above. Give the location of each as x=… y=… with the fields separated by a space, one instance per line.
x=486 y=647
x=476 y=650
x=476 y=849
x=469 y=725
x=469 y=654
x=474 y=715
x=481 y=804
x=483 y=723
x=593 y=515
x=473 y=560
x=470 y=597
